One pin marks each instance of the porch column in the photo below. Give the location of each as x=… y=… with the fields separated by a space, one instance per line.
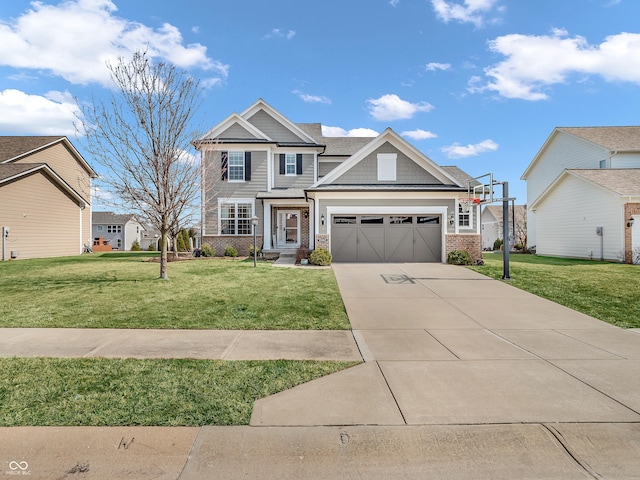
x=267 y=225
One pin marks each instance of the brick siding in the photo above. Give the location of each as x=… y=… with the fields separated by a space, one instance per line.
x=470 y=242
x=241 y=244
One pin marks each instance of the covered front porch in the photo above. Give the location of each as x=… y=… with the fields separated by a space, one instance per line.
x=287 y=221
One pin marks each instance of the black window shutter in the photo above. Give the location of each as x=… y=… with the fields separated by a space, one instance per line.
x=224 y=165
x=299 y=164
x=247 y=166
x=282 y=167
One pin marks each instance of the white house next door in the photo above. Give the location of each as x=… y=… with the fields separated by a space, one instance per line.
x=288 y=225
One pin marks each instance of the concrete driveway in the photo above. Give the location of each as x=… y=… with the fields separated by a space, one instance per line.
x=448 y=348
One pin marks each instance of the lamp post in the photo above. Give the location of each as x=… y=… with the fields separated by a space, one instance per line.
x=254 y=224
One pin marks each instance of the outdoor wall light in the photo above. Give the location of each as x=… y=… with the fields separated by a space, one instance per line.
x=306 y=214
x=322 y=219
x=631 y=222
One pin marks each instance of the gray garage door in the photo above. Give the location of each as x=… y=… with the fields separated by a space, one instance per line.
x=386 y=238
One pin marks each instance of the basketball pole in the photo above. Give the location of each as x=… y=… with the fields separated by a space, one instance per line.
x=505 y=231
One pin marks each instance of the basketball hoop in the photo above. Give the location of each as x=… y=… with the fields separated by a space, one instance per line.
x=465 y=203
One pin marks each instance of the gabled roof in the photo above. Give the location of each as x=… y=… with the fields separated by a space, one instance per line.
x=14 y=148
x=234 y=118
x=496 y=211
x=102 y=218
x=401 y=144
x=621 y=182
x=14 y=172
x=260 y=104
x=614 y=139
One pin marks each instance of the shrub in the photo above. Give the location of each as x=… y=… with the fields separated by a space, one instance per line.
x=208 y=250
x=251 y=251
x=497 y=244
x=459 y=257
x=135 y=246
x=230 y=251
x=320 y=256
x=152 y=247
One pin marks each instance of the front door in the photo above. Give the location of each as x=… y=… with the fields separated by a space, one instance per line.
x=288 y=235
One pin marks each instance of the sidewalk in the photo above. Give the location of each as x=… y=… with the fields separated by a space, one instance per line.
x=464 y=377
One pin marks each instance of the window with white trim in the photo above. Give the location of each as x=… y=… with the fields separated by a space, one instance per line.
x=235 y=218
x=236 y=166
x=290 y=164
x=465 y=220
x=386 y=167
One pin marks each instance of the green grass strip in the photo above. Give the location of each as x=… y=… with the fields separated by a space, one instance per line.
x=604 y=290
x=122 y=290
x=117 y=392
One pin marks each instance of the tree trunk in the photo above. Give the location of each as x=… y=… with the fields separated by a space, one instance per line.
x=163 y=256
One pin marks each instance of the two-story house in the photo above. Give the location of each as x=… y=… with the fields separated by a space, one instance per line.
x=119 y=230
x=45 y=196
x=370 y=199
x=583 y=194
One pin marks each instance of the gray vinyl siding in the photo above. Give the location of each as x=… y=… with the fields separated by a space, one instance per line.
x=366 y=171
x=217 y=188
x=294 y=181
x=325 y=167
x=236 y=132
x=272 y=128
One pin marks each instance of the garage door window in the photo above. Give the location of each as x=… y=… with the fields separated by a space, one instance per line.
x=344 y=220
x=400 y=220
x=371 y=219
x=429 y=219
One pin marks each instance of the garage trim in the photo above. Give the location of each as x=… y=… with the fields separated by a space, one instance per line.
x=399 y=210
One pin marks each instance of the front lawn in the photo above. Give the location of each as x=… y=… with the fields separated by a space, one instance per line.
x=122 y=290
x=114 y=392
x=608 y=291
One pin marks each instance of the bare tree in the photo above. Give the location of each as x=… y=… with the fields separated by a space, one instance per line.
x=520 y=225
x=143 y=135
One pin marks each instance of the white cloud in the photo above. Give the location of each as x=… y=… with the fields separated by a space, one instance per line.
x=311 y=98
x=341 y=132
x=46 y=37
x=470 y=11
x=277 y=33
x=51 y=114
x=433 y=66
x=394 y=3
x=461 y=151
x=391 y=107
x=535 y=62
x=419 y=134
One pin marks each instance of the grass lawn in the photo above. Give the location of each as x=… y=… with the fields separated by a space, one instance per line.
x=608 y=291
x=123 y=290
x=114 y=392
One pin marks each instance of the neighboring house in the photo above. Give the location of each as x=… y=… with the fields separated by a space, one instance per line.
x=493 y=227
x=365 y=199
x=119 y=230
x=45 y=196
x=583 y=194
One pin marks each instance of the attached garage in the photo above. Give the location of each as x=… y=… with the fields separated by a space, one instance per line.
x=386 y=238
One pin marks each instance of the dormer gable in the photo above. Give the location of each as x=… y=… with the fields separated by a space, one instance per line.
x=267 y=119
x=235 y=128
x=381 y=158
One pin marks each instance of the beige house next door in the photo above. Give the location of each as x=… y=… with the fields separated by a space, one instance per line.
x=288 y=229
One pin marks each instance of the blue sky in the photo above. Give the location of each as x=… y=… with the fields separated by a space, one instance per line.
x=474 y=83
